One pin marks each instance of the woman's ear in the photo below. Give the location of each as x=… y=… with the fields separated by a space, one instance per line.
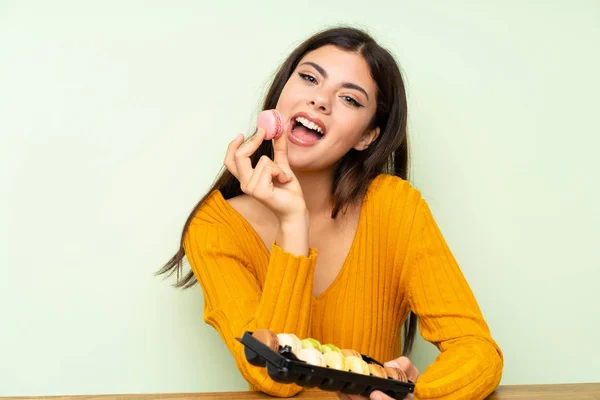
x=366 y=140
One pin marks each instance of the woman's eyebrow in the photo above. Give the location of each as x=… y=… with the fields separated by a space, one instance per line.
x=347 y=85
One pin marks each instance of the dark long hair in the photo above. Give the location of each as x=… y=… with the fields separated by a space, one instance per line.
x=355 y=171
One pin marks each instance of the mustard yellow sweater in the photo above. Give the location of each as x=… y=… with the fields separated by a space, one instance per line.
x=398 y=262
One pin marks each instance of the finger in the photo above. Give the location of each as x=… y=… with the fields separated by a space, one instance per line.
x=229 y=161
x=242 y=156
x=264 y=161
x=264 y=187
x=413 y=374
x=404 y=363
x=280 y=150
x=379 y=395
x=257 y=173
x=283 y=176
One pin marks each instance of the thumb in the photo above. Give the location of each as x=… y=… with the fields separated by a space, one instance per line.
x=378 y=395
x=375 y=395
x=393 y=363
x=401 y=362
x=280 y=150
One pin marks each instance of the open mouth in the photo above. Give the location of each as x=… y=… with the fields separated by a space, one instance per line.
x=306 y=130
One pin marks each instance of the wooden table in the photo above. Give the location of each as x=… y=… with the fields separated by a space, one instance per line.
x=578 y=391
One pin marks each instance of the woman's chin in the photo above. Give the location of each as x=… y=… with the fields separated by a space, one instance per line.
x=304 y=166
x=301 y=168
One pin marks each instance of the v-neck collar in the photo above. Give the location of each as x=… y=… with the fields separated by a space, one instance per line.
x=361 y=222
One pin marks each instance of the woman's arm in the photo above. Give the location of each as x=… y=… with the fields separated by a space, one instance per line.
x=234 y=302
x=470 y=364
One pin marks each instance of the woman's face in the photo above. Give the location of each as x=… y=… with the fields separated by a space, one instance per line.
x=331 y=91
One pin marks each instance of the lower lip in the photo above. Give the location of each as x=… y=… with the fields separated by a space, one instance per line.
x=297 y=141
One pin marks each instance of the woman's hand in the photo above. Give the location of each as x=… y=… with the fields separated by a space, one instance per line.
x=375 y=395
x=405 y=365
x=271 y=182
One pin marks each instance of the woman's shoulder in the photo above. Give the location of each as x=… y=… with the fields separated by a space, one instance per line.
x=393 y=204
x=391 y=189
x=217 y=212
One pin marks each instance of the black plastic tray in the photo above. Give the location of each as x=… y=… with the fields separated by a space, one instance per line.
x=285 y=367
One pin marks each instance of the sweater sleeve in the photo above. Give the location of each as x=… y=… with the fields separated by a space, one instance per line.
x=470 y=362
x=234 y=301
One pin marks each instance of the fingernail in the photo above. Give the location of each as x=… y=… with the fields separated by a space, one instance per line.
x=375 y=396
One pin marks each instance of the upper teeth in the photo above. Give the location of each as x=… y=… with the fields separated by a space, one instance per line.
x=309 y=124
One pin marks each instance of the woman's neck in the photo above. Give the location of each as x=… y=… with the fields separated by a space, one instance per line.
x=316 y=187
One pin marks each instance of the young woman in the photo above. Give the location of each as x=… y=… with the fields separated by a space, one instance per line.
x=320 y=234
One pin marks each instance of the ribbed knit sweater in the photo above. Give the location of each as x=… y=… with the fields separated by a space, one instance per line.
x=398 y=261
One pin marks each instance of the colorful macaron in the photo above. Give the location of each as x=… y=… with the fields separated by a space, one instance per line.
x=311 y=343
x=289 y=339
x=327 y=355
x=396 y=373
x=336 y=360
x=272 y=122
x=268 y=338
x=357 y=365
x=377 y=370
x=312 y=356
x=350 y=352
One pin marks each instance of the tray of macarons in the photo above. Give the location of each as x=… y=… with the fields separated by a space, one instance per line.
x=310 y=364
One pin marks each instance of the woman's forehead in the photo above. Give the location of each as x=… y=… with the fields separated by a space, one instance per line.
x=340 y=64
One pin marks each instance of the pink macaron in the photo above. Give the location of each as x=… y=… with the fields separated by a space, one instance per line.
x=272 y=122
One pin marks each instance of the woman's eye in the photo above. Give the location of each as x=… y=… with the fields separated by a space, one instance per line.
x=307 y=77
x=351 y=101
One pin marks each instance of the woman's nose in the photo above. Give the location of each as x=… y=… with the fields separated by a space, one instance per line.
x=321 y=102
